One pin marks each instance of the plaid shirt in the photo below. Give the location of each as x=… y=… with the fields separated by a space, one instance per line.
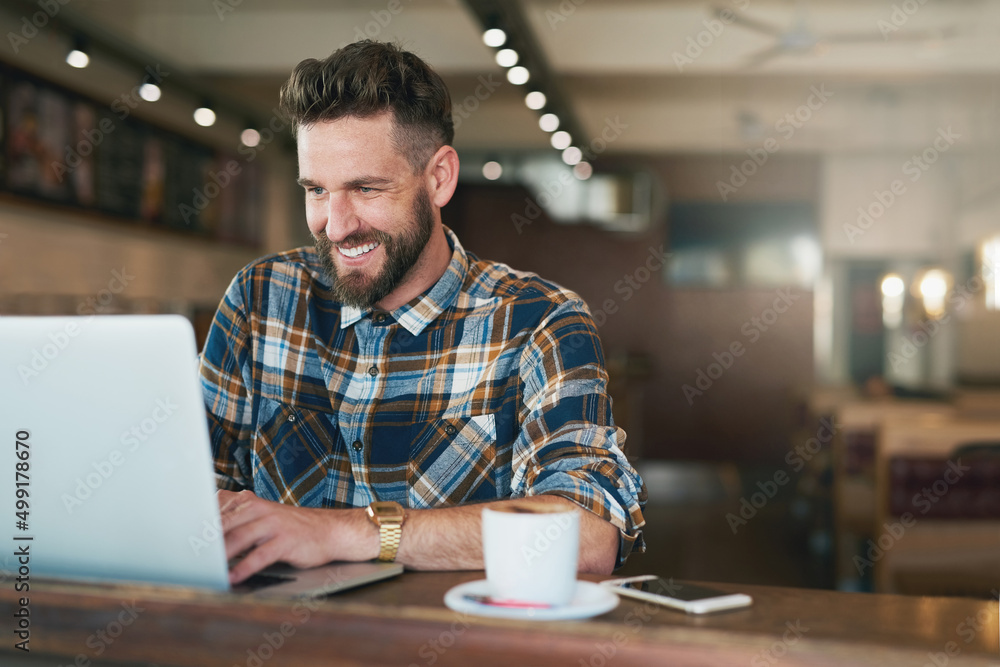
x=490 y=385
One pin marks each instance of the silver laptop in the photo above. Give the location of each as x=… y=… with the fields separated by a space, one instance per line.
x=105 y=459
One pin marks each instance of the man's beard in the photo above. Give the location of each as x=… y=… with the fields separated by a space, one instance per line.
x=401 y=254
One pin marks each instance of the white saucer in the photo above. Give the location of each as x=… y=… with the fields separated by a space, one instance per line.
x=589 y=600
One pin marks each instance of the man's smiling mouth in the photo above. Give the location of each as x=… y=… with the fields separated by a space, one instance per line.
x=357 y=251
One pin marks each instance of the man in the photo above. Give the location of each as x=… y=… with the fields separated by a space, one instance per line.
x=366 y=396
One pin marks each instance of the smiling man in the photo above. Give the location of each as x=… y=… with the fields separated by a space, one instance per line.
x=367 y=396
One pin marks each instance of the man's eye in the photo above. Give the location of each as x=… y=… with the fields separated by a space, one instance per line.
x=316 y=191
x=364 y=189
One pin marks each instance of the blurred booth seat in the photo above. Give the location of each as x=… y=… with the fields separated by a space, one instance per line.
x=857 y=425
x=938 y=494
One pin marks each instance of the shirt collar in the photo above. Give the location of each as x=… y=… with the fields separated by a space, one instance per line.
x=350 y=315
x=424 y=309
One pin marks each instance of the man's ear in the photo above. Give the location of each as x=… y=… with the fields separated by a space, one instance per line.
x=442 y=175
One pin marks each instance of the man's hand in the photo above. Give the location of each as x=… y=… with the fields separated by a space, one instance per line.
x=268 y=532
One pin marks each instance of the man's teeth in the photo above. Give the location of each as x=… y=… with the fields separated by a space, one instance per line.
x=357 y=251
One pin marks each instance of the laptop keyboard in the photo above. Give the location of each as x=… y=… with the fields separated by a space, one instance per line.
x=255 y=582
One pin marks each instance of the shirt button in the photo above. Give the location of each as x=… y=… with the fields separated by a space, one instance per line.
x=380 y=318
x=373 y=371
x=357 y=446
x=450 y=430
x=291 y=418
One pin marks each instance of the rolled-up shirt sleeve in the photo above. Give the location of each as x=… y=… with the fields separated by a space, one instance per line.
x=224 y=369
x=568 y=444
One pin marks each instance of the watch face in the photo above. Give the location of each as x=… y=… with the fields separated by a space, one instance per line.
x=386 y=509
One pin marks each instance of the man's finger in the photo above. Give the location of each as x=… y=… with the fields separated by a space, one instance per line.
x=266 y=554
x=237 y=509
x=247 y=536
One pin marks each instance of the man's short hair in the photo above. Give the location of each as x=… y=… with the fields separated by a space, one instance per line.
x=366 y=79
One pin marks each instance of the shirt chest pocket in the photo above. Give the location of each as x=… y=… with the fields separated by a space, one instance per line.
x=292 y=448
x=453 y=460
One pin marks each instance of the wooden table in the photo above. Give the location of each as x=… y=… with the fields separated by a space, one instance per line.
x=404 y=622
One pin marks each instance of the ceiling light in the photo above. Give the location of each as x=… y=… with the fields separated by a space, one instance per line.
x=204 y=115
x=892 y=285
x=893 y=289
x=989 y=261
x=561 y=140
x=77 y=57
x=507 y=57
x=250 y=137
x=518 y=75
x=549 y=122
x=494 y=37
x=150 y=92
x=572 y=155
x=492 y=170
x=583 y=170
x=934 y=284
x=934 y=287
x=535 y=100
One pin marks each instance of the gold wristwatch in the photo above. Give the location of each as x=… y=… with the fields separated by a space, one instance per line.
x=389 y=517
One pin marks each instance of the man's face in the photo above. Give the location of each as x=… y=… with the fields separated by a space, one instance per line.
x=369 y=213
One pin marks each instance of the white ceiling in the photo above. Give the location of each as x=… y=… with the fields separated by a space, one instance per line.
x=616 y=60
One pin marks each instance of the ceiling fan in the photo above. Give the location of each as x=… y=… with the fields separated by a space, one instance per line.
x=798 y=38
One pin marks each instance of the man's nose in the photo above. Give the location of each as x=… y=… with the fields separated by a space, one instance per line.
x=341 y=217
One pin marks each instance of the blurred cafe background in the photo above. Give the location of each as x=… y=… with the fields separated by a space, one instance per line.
x=784 y=215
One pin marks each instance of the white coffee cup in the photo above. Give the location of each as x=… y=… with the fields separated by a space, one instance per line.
x=530 y=549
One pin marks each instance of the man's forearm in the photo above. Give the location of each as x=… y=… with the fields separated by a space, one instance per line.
x=448 y=538
x=451 y=538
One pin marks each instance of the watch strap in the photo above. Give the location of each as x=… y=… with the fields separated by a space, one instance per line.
x=388 y=516
x=389 y=533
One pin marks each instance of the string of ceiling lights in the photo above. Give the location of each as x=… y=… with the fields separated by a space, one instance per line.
x=84 y=40
x=506 y=30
